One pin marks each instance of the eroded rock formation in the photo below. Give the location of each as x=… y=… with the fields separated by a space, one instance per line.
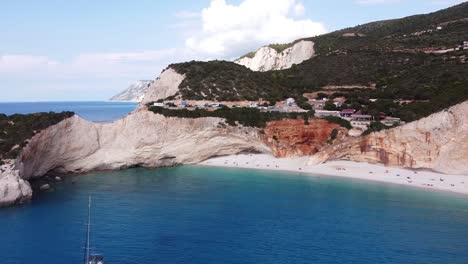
x=140 y=139
x=294 y=138
x=267 y=58
x=134 y=93
x=166 y=85
x=438 y=142
x=13 y=189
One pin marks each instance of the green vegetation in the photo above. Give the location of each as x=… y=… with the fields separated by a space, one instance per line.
x=398 y=33
x=281 y=47
x=16 y=129
x=224 y=81
x=375 y=126
x=333 y=136
x=384 y=55
x=330 y=106
x=440 y=79
x=249 y=55
x=339 y=121
x=250 y=117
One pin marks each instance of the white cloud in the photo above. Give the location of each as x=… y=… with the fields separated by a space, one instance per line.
x=123 y=57
x=299 y=9
x=227 y=30
x=187 y=15
x=85 y=76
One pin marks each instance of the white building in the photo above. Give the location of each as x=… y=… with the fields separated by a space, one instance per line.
x=391 y=121
x=325 y=113
x=158 y=104
x=290 y=101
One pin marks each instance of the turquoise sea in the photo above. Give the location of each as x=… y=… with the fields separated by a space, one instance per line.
x=215 y=215
x=203 y=215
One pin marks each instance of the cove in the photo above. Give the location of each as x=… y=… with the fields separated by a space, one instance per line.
x=194 y=214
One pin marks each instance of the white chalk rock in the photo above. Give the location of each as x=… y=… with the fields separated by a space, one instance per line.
x=134 y=93
x=267 y=58
x=13 y=189
x=166 y=85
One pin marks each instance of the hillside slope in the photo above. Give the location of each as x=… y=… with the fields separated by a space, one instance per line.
x=412 y=58
x=134 y=93
x=272 y=58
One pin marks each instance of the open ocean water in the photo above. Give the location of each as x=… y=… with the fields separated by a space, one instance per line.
x=92 y=111
x=202 y=215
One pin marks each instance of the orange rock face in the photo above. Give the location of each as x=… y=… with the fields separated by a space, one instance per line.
x=293 y=138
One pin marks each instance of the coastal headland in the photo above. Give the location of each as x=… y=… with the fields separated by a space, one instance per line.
x=385 y=101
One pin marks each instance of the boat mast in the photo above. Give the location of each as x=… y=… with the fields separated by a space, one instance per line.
x=88 y=232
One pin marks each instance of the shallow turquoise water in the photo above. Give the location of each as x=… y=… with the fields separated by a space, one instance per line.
x=217 y=215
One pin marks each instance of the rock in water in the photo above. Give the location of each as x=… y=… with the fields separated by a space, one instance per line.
x=13 y=189
x=44 y=187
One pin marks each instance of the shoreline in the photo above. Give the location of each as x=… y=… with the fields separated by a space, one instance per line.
x=428 y=180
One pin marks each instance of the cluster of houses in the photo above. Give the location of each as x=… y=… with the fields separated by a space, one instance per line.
x=289 y=105
x=358 y=119
x=184 y=104
x=319 y=104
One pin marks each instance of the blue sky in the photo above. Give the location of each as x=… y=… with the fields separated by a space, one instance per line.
x=90 y=50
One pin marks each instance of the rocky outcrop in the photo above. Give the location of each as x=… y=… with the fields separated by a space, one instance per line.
x=13 y=189
x=165 y=86
x=295 y=138
x=267 y=58
x=140 y=139
x=438 y=142
x=134 y=93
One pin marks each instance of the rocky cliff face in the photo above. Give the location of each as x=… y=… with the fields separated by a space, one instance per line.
x=294 y=138
x=438 y=142
x=13 y=189
x=166 y=85
x=267 y=58
x=140 y=139
x=134 y=93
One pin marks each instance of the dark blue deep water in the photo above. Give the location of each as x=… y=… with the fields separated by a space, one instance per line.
x=92 y=111
x=215 y=215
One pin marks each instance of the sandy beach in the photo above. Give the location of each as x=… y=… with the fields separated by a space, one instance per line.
x=416 y=178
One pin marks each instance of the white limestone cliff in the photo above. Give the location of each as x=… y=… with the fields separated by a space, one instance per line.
x=438 y=142
x=146 y=139
x=267 y=58
x=13 y=189
x=134 y=93
x=140 y=139
x=166 y=85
